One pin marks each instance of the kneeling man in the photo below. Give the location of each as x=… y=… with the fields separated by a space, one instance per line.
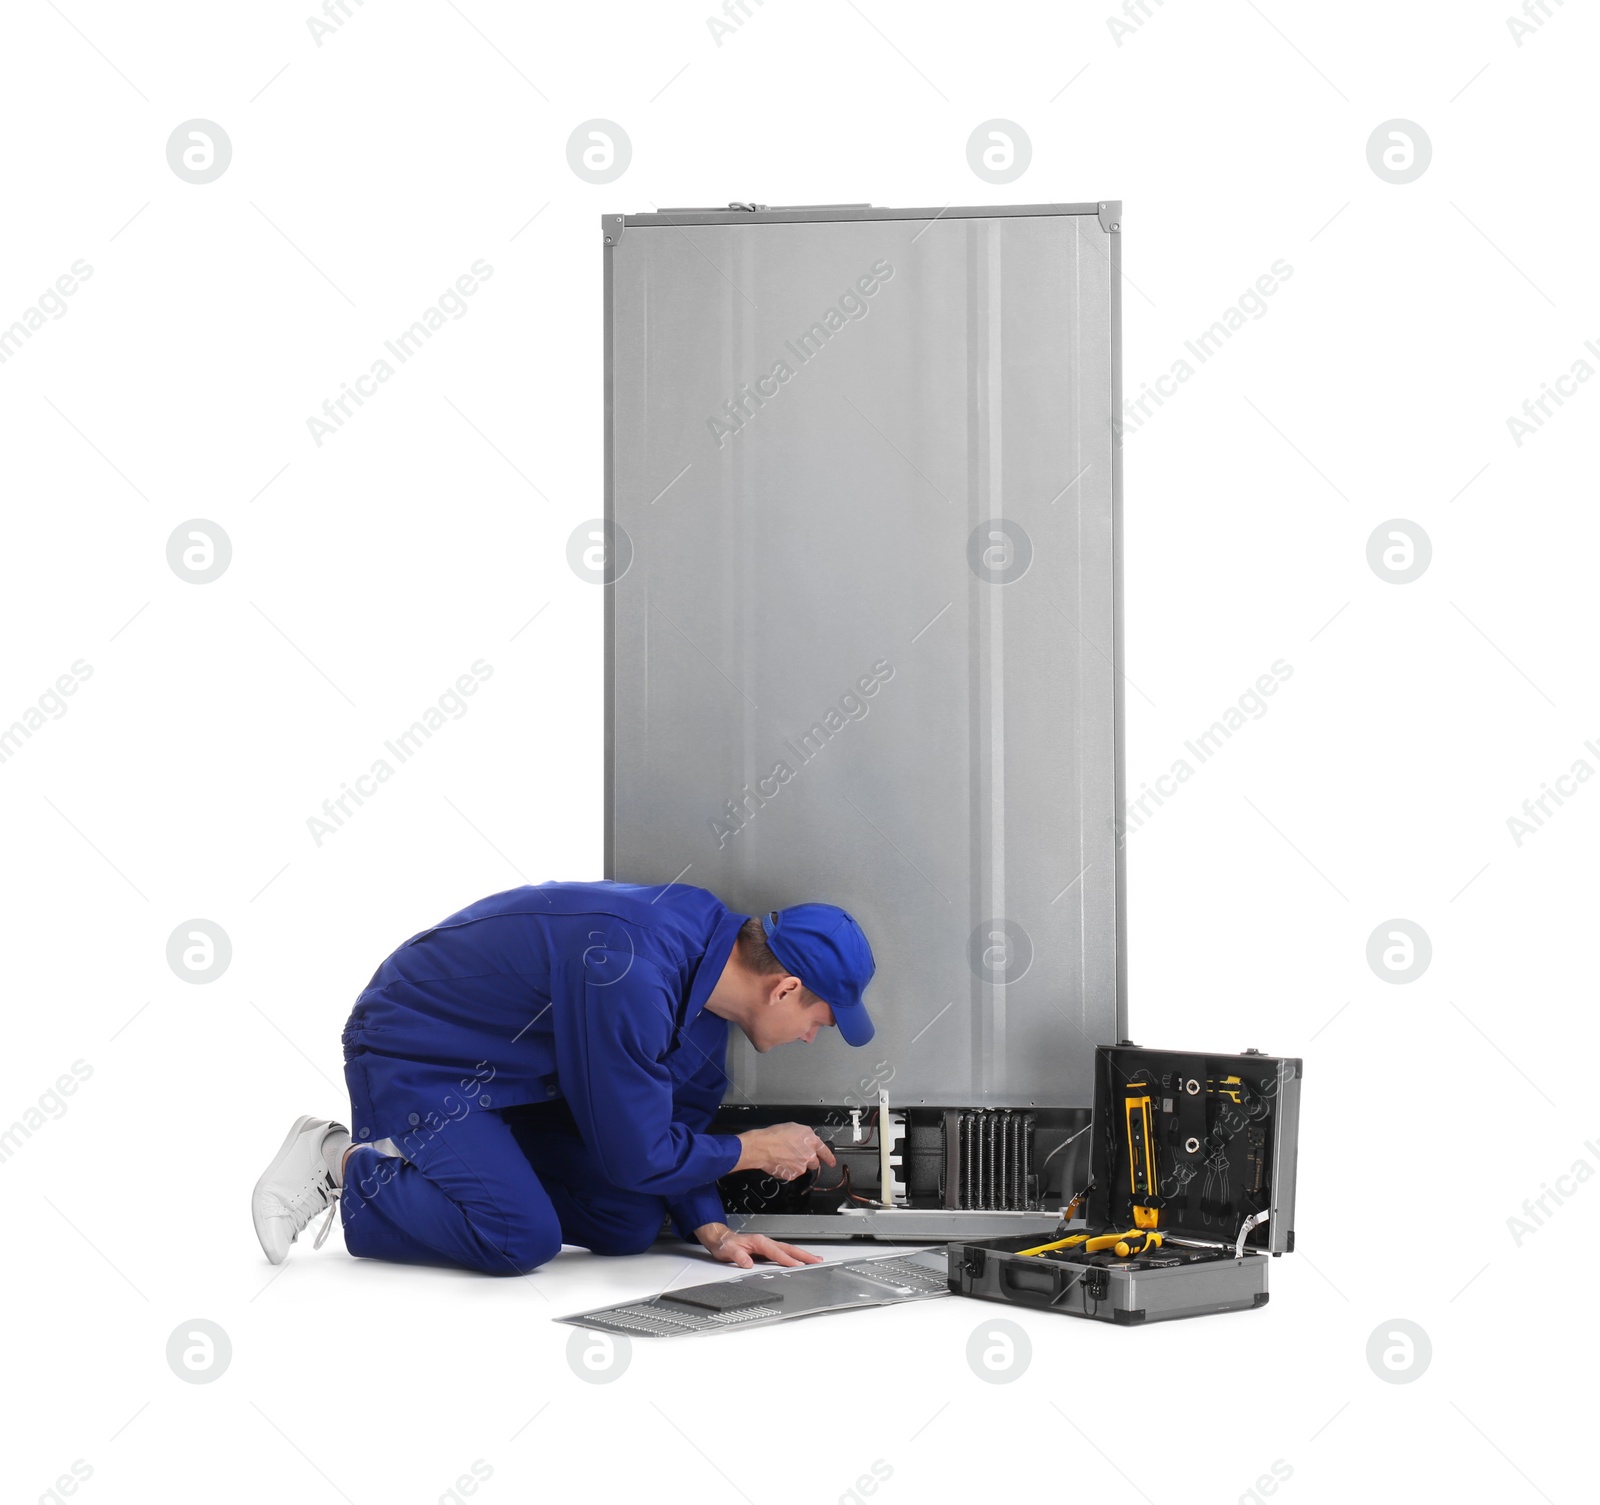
x=542 y=1067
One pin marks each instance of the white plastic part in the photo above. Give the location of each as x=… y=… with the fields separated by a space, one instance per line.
x=885 y=1143
x=1255 y=1220
x=891 y=1135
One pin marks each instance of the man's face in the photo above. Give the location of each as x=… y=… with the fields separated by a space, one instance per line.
x=783 y=1016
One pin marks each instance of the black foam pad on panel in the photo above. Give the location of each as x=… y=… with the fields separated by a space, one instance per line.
x=723 y=1296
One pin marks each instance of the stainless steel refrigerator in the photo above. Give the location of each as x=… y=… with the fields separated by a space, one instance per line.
x=864 y=645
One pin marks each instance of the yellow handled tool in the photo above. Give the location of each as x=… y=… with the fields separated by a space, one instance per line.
x=1229 y=1086
x=1134 y=1241
x=1136 y=1107
x=1141 y=1156
x=1060 y=1243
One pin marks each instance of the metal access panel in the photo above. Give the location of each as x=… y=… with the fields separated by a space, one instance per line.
x=863 y=621
x=765 y=1296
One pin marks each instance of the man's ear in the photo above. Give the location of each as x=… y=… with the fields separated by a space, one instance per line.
x=784 y=987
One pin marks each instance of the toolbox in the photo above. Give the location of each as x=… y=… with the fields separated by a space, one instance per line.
x=1192 y=1165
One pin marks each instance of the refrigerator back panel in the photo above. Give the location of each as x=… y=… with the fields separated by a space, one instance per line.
x=863 y=617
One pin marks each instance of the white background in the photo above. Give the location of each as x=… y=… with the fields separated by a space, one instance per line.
x=368 y=173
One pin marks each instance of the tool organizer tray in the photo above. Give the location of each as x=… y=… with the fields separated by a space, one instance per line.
x=1193 y=1179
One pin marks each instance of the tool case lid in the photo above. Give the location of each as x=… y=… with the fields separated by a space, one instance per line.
x=1206 y=1140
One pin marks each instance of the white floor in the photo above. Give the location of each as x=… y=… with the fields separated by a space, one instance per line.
x=372 y=1383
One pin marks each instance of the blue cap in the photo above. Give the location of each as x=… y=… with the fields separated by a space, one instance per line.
x=825 y=948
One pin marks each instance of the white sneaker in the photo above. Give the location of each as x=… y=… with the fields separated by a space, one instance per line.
x=295 y=1188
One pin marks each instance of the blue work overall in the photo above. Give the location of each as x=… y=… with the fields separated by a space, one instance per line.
x=545 y=1066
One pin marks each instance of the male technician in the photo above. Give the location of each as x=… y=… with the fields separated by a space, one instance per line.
x=541 y=1068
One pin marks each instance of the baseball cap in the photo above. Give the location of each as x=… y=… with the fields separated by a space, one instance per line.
x=824 y=947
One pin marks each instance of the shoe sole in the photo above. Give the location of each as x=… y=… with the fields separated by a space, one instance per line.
x=301 y=1124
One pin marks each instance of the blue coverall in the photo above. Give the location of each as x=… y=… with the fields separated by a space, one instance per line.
x=587 y=998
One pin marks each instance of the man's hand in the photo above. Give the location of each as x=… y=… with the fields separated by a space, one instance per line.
x=784 y=1150
x=743 y=1249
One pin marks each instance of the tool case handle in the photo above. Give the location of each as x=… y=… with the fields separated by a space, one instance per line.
x=1034 y=1284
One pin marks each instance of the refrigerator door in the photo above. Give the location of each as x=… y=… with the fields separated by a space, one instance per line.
x=863 y=618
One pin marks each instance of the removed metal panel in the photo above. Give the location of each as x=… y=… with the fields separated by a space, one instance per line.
x=775 y=1295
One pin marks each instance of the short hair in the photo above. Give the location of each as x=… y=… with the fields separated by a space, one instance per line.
x=760 y=957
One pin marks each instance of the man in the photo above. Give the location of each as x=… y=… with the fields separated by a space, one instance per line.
x=542 y=1067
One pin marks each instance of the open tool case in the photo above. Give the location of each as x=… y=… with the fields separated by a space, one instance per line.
x=1193 y=1166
